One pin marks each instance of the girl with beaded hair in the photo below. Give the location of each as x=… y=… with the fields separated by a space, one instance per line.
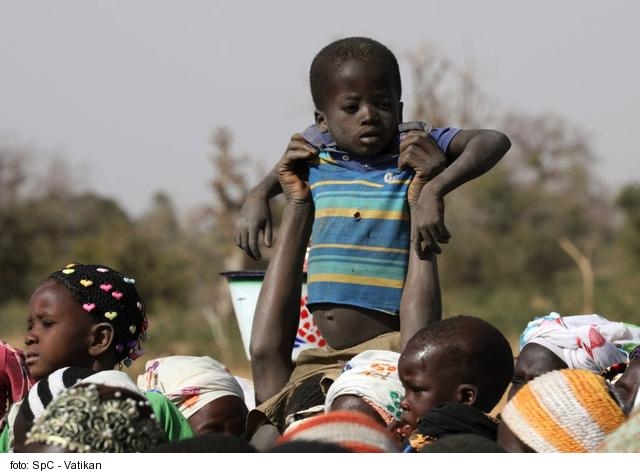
x=90 y=316
x=84 y=315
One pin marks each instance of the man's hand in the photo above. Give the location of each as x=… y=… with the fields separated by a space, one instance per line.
x=420 y=152
x=293 y=170
x=427 y=223
x=254 y=218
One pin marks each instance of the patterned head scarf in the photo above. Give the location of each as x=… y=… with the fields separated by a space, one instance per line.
x=15 y=380
x=353 y=430
x=373 y=376
x=110 y=297
x=564 y=411
x=90 y=418
x=190 y=382
x=588 y=342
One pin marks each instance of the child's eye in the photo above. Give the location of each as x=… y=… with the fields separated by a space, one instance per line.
x=47 y=323
x=350 y=108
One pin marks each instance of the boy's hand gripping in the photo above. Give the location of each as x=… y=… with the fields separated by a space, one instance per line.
x=293 y=170
x=420 y=152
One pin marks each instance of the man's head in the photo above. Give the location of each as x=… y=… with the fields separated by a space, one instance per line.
x=356 y=89
x=460 y=359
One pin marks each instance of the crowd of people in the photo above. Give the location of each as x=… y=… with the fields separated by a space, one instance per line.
x=365 y=195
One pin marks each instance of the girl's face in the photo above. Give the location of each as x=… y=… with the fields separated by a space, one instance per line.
x=59 y=331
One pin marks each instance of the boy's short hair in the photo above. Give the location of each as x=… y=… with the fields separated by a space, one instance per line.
x=335 y=54
x=475 y=352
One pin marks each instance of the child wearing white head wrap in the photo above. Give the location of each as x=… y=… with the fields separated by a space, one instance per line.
x=190 y=382
x=588 y=342
x=373 y=376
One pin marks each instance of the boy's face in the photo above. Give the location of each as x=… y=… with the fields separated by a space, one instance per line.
x=426 y=381
x=362 y=108
x=58 y=331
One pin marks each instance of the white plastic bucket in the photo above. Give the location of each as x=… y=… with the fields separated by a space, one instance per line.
x=244 y=287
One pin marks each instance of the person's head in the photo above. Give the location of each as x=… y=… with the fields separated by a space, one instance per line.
x=369 y=383
x=40 y=396
x=84 y=315
x=564 y=411
x=94 y=418
x=353 y=430
x=459 y=359
x=356 y=89
x=533 y=360
x=202 y=388
x=589 y=342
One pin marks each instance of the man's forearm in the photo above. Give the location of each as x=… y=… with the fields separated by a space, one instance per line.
x=421 y=302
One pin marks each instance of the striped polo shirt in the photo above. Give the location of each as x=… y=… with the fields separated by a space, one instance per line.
x=360 y=237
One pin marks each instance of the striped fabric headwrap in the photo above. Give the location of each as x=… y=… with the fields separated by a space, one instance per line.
x=564 y=411
x=353 y=430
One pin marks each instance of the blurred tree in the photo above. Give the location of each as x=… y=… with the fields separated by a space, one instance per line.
x=628 y=200
x=505 y=260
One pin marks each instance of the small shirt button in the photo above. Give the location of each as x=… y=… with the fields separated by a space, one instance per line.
x=357 y=216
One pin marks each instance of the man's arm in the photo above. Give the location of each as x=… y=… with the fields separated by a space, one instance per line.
x=278 y=308
x=255 y=216
x=421 y=302
x=277 y=314
x=471 y=153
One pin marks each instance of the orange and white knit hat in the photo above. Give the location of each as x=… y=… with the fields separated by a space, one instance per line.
x=353 y=430
x=566 y=411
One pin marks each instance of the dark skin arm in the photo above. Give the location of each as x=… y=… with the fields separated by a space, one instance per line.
x=421 y=302
x=471 y=153
x=255 y=216
x=278 y=308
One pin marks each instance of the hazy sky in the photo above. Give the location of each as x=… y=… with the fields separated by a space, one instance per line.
x=130 y=91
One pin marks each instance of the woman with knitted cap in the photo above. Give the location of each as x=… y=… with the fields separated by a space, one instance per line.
x=202 y=389
x=588 y=342
x=561 y=411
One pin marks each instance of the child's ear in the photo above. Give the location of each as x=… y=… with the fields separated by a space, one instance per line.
x=102 y=336
x=467 y=394
x=321 y=121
